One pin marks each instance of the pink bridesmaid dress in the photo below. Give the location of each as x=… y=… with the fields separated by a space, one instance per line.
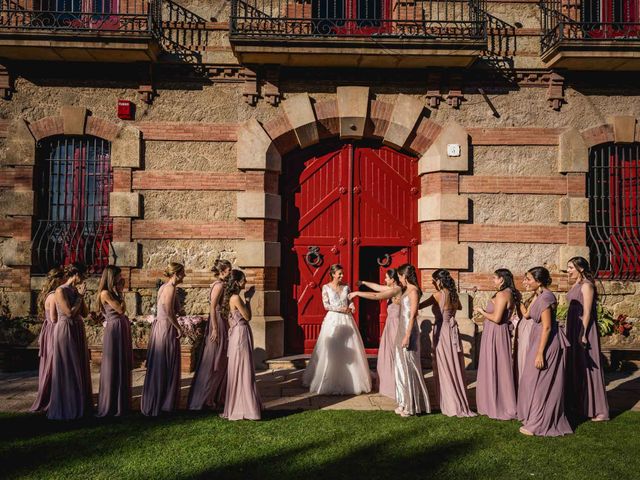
x=71 y=395
x=449 y=364
x=585 y=380
x=541 y=393
x=209 y=384
x=387 y=353
x=46 y=363
x=495 y=386
x=114 y=396
x=242 y=398
x=161 y=390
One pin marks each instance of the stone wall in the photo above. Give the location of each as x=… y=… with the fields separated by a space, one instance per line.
x=188 y=178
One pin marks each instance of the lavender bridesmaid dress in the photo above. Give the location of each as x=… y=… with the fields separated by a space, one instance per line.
x=541 y=392
x=386 y=353
x=161 y=390
x=71 y=395
x=242 y=398
x=523 y=333
x=114 y=397
x=46 y=363
x=449 y=364
x=495 y=387
x=585 y=375
x=209 y=384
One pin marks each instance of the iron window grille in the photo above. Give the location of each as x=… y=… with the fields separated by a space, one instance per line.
x=73 y=181
x=613 y=232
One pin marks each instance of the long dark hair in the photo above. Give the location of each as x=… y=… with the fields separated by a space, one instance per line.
x=231 y=288
x=409 y=271
x=540 y=275
x=447 y=282
x=582 y=265
x=392 y=273
x=75 y=268
x=108 y=283
x=508 y=282
x=52 y=281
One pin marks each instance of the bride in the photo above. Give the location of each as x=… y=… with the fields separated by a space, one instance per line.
x=338 y=365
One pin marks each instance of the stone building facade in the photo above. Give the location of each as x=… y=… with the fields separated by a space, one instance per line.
x=196 y=174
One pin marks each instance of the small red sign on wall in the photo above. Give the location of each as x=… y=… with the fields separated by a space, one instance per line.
x=126 y=110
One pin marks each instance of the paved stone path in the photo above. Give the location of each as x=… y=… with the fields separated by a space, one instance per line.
x=282 y=390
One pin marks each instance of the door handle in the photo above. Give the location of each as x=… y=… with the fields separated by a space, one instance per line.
x=313 y=257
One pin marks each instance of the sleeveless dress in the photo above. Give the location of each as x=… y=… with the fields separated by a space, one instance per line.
x=114 y=396
x=161 y=390
x=45 y=341
x=449 y=364
x=71 y=395
x=411 y=391
x=495 y=386
x=541 y=392
x=242 y=400
x=209 y=384
x=338 y=365
x=387 y=352
x=585 y=377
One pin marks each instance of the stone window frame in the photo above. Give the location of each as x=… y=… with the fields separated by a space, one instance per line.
x=124 y=205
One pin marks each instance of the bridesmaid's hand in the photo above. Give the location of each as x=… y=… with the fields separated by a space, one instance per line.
x=179 y=333
x=405 y=342
x=584 y=341
x=352 y=295
x=214 y=335
x=478 y=310
x=82 y=289
x=539 y=362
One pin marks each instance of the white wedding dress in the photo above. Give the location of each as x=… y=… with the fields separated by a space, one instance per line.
x=338 y=365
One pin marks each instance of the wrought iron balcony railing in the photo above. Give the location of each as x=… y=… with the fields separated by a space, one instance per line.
x=588 y=21
x=337 y=19
x=102 y=17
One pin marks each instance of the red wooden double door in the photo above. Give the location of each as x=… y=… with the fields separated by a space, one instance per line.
x=352 y=204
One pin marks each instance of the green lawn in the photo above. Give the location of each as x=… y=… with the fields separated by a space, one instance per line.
x=312 y=444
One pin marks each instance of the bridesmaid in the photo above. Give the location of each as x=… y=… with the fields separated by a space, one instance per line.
x=242 y=399
x=161 y=390
x=411 y=391
x=71 y=395
x=386 y=353
x=585 y=380
x=209 y=383
x=541 y=395
x=46 y=310
x=448 y=358
x=114 y=397
x=495 y=387
x=522 y=334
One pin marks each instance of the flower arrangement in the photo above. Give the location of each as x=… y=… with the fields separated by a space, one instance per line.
x=621 y=325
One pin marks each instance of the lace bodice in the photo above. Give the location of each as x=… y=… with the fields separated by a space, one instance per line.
x=333 y=301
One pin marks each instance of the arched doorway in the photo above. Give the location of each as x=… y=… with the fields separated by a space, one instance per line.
x=353 y=203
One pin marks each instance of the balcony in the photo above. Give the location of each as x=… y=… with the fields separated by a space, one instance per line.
x=358 y=33
x=591 y=34
x=80 y=30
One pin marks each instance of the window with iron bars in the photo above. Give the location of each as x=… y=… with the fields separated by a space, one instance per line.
x=613 y=233
x=73 y=180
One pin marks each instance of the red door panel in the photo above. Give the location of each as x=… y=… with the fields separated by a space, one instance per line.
x=342 y=204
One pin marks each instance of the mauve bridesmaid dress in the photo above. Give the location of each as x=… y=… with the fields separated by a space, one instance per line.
x=46 y=362
x=541 y=393
x=495 y=386
x=387 y=352
x=71 y=395
x=114 y=396
x=161 y=390
x=209 y=384
x=449 y=364
x=242 y=398
x=585 y=380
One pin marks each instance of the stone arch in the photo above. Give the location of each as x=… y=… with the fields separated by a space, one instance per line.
x=573 y=159
x=351 y=114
